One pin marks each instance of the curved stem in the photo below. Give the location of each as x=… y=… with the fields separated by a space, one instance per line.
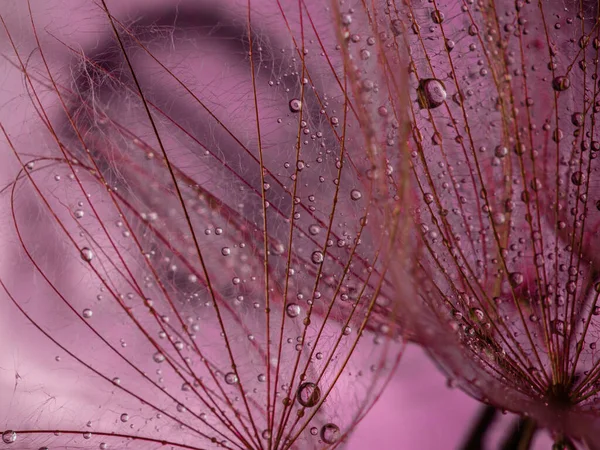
x=521 y=436
x=480 y=428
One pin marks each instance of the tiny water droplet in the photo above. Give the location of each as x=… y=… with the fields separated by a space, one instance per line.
x=437 y=16
x=231 y=378
x=578 y=178
x=293 y=310
x=501 y=151
x=9 y=436
x=317 y=257
x=124 y=417
x=516 y=279
x=330 y=433
x=295 y=105
x=561 y=83
x=355 y=194
x=87 y=313
x=309 y=394
x=87 y=254
x=431 y=93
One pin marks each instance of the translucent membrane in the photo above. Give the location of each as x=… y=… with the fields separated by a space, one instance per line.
x=201 y=223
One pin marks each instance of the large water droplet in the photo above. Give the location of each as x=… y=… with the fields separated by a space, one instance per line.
x=309 y=394
x=431 y=93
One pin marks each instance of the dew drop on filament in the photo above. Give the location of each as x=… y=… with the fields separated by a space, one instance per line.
x=309 y=394
x=295 y=105
x=561 y=83
x=431 y=93
x=87 y=254
x=330 y=433
x=231 y=378
x=9 y=436
x=293 y=310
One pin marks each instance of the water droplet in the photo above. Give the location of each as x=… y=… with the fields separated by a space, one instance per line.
x=87 y=313
x=578 y=178
x=498 y=218
x=431 y=93
x=396 y=27
x=295 y=105
x=87 y=254
x=557 y=326
x=516 y=279
x=231 y=378
x=317 y=257
x=293 y=310
x=87 y=435
x=78 y=213
x=355 y=194
x=501 y=151
x=158 y=357
x=437 y=16
x=225 y=251
x=330 y=433
x=561 y=83
x=577 y=119
x=9 y=436
x=314 y=229
x=309 y=394
x=266 y=434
